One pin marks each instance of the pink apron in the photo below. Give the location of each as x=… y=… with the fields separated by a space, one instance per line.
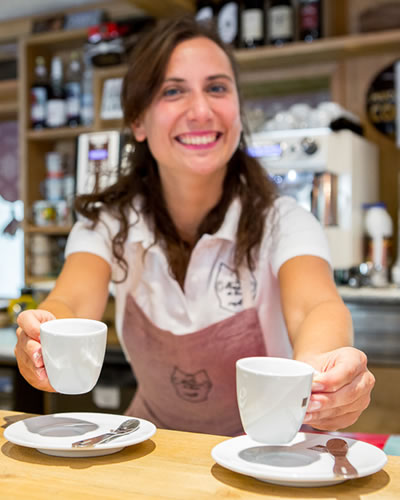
x=188 y=382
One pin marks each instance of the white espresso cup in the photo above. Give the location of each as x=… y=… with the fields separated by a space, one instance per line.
x=73 y=352
x=273 y=395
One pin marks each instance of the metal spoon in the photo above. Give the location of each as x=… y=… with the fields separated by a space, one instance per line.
x=126 y=427
x=338 y=448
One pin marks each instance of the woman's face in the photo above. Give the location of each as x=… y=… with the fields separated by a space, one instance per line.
x=193 y=125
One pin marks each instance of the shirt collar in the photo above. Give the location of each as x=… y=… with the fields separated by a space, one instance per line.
x=140 y=231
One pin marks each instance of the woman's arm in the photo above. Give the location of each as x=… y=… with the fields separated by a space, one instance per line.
x=320 y=330
x=80 y=291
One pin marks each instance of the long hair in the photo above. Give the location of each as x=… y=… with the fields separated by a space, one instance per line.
x=245 y=178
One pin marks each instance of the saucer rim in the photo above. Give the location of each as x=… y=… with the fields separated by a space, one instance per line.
x=115 y=419
x=307 y=479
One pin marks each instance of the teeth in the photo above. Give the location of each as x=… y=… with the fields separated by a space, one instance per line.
x=198 y=139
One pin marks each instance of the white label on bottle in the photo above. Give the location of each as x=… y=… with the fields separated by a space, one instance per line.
x=252 y=24
x=38 y=108
x=280 y=23
x=56 y=113
x=204 y=14
x=227 y=22
x=73 y=91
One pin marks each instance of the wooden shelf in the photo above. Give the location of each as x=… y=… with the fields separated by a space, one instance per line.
x=56 y=39
x=164 y=8
x=8 y=99
x=56 y=230
x=297 y=54
x=47 y=282
x=57 y=133
x=323 y=50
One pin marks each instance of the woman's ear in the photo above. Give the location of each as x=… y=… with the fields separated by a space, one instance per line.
x=138 y=130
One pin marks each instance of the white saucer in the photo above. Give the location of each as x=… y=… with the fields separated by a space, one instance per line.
x=296 y=464
x=54 y=434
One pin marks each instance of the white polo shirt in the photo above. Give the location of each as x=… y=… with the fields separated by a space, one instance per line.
x=212 y=290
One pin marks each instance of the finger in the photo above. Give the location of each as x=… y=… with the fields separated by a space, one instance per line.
x=28 y=347
x=334 y=424
x=30 y=362
x=342 y=372
x=347 y=395
x=35 y=376
x=356 y=406
x=30 y=321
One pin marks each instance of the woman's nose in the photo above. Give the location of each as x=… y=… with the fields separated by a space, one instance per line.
x=199 y=108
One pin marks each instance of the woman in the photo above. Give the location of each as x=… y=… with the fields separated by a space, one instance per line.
x=209 y=264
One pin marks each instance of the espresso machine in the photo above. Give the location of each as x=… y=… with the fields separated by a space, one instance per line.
x=331 y=174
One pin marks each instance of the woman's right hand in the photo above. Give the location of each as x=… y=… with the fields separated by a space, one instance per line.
x=28 y=350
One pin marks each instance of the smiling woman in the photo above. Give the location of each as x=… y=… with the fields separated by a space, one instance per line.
x=209 y=264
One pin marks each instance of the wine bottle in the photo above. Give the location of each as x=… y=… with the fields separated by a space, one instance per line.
x=252 y=23
x=280 y=22
x=73 y=90
x=39 y=94
x=205 y=10
x=228 y=22
x=310 y=20
x=56 y=109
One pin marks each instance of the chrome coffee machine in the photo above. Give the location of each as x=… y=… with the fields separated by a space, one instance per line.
x=332 y=174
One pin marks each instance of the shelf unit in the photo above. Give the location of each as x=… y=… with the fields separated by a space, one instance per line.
x=344 y=65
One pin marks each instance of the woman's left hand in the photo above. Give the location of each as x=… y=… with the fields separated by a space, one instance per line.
x=341 y=390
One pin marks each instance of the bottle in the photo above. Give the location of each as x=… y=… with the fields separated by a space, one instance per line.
x=87 y=105
x=56 y=108
x=39 y=94
x=310 y=20
x=228 y=22
x=379 y=231
x=73 y=90
x=252 y=24
x=205 y=10
x=280 y=22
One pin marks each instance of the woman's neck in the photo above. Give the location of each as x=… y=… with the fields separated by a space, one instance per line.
x=189 y=202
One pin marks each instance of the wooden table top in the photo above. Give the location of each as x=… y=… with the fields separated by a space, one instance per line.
x=171 y=465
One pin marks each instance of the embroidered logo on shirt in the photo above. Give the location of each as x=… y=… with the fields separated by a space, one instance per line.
x=229 y=290
x=193 y=387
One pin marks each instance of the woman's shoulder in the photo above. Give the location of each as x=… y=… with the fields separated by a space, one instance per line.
x=287 y=207
x=110 y=219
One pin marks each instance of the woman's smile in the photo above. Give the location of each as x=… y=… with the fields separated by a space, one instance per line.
x=199 y=140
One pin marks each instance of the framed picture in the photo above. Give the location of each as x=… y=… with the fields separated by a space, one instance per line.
x=98 y=161
x=111 y=99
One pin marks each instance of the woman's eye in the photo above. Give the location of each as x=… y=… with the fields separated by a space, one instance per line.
x=171 y=92
x=217 y=88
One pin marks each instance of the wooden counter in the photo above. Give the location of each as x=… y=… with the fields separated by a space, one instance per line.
x=171 y=465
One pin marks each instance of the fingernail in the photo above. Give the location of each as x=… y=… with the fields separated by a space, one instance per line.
x=314 y=405
x=37 y=359
x=317 y=386
x=307 y=418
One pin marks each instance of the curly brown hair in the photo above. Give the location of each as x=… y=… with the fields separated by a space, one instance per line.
x=245 y=177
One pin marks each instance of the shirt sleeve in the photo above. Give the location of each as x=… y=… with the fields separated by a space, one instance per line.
x=294 y=231
x=84 y=238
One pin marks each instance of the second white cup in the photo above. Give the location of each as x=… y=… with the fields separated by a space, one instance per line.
x=273 y=395
x=73 y=352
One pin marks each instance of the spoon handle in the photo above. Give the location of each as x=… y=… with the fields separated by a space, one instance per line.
x=343 y=467
x=85 y=443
